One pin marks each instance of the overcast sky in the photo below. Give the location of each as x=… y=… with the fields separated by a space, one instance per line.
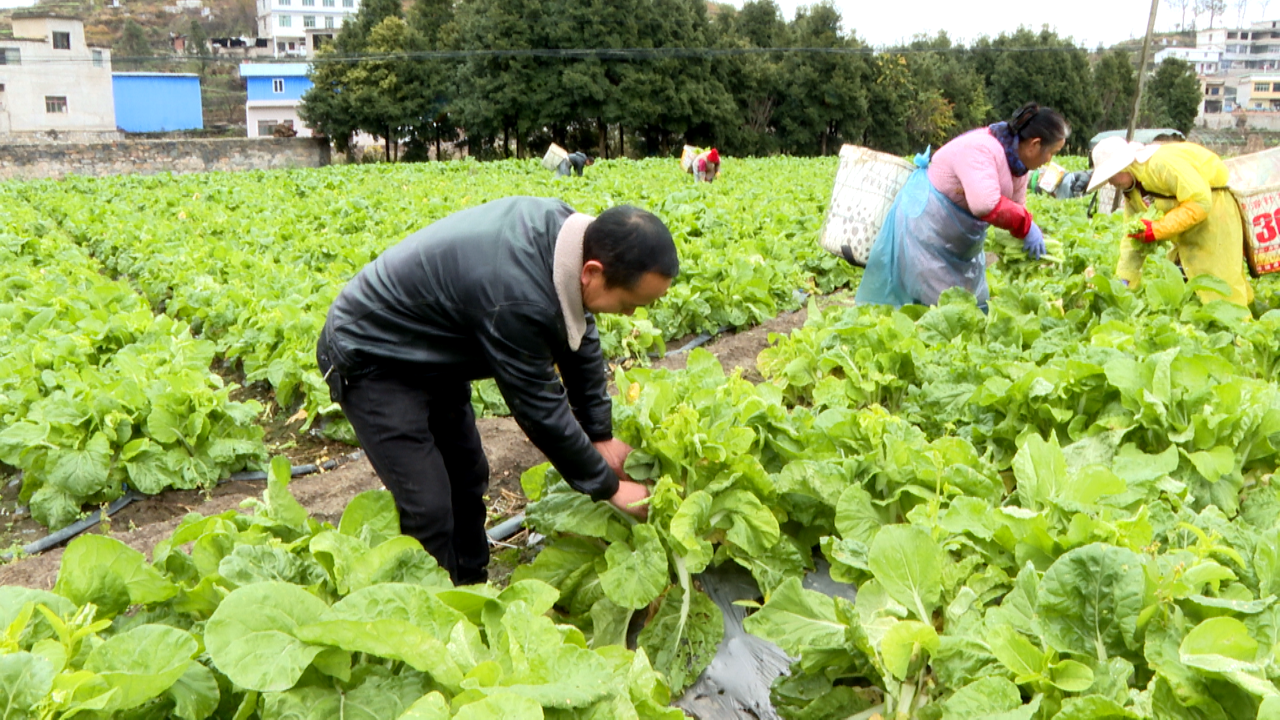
x=1090 y=22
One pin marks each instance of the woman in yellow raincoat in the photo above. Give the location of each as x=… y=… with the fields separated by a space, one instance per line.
x=1202 y=217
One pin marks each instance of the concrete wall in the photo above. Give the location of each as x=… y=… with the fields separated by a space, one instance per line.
x=80 y=74
x=1254 y=121
x=147 y=157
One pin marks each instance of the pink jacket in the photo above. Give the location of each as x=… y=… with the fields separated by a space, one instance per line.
x=972 y=171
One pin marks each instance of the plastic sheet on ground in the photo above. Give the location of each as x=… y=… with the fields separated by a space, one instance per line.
x=736 y=684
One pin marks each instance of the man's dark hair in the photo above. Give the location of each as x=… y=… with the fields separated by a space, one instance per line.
x=630 y=242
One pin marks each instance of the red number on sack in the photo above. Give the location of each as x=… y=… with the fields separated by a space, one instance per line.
x=1266 y=225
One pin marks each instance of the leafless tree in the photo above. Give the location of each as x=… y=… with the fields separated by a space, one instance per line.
x=1181 y=6
x=1214 y=8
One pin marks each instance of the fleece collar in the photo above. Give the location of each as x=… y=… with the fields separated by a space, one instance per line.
x=567 y=276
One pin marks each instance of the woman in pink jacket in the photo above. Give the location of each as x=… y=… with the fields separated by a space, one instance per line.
x=932 y=237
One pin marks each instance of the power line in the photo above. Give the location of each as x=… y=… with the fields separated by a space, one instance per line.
x=565 y=53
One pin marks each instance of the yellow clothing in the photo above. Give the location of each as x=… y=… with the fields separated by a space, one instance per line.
x=1202 y=218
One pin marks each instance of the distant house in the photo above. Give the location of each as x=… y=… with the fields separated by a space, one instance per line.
x=241 y=47
x=286 y=22
x=157 y=102
x=50 y=79
x=1203 y=61
x=274 y=94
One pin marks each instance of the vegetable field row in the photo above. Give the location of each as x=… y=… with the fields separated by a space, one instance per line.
x=244 y=266
x=1062 y=510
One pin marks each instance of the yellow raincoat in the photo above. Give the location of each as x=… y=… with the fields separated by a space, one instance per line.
x=1202 y=218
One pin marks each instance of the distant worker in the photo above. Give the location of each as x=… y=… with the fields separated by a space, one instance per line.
x=932 y=238
x=1073 y=185
x=575 y=162
x=706 y=166
x=1202 y=218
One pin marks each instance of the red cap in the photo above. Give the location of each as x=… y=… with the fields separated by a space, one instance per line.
x=713 y=156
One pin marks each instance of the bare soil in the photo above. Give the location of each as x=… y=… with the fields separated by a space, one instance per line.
x=145 y=522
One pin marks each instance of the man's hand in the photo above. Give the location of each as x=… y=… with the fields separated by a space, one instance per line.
x=629 y=493
x=615 y=453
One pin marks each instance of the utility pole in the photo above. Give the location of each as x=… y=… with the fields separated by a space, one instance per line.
x=1142 y=70
x=1142 y=81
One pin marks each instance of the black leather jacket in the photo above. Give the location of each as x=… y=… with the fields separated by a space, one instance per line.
x=472 y=296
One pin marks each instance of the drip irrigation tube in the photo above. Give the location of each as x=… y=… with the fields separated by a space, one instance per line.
x=58 y=537
x=704 y=338
x=506 y=528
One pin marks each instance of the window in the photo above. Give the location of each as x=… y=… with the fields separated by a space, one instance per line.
x=1232 y=36
x=285 y=21
x=328 y=3
x=277 y=85
x=1262 y=87
x=1214 y=90
x=10 y=56
x=328 y=23
x=267 y=128
x=308 y=21
x=62 y=41
x=285 y=3
x=308 y=3
x=55 y=104
x=97 y=58
x=348 y=3
x=1275 y=87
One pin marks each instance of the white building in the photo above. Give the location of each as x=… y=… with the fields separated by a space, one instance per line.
x=1205 y=61
x=51 y=80
x=1256 y=47
x=286 y=22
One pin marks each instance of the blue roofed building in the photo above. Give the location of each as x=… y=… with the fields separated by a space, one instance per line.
x=274 y=93
x=157 y=102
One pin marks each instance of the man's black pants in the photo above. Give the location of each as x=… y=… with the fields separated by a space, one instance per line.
x=421 y=439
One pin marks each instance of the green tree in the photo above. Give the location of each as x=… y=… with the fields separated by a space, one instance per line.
x=754 y=80
x=826 y=96
x=1115 y=83
x=435 y=25
x=497 y=93
x=674 y=99
x=1173 y=96
x=333 y=106
x=946 y=71
x=1028 y=66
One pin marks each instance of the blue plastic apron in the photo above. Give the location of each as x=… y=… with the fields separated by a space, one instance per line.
x=927 y=244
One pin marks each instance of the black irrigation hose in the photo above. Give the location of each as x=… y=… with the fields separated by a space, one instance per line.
x=704 y=338
x=58 y=537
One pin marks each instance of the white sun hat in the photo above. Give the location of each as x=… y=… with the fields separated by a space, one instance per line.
x=1113 y=155
x=1110 y=158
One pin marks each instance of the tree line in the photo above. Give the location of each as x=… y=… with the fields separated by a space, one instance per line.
x=448 y=71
